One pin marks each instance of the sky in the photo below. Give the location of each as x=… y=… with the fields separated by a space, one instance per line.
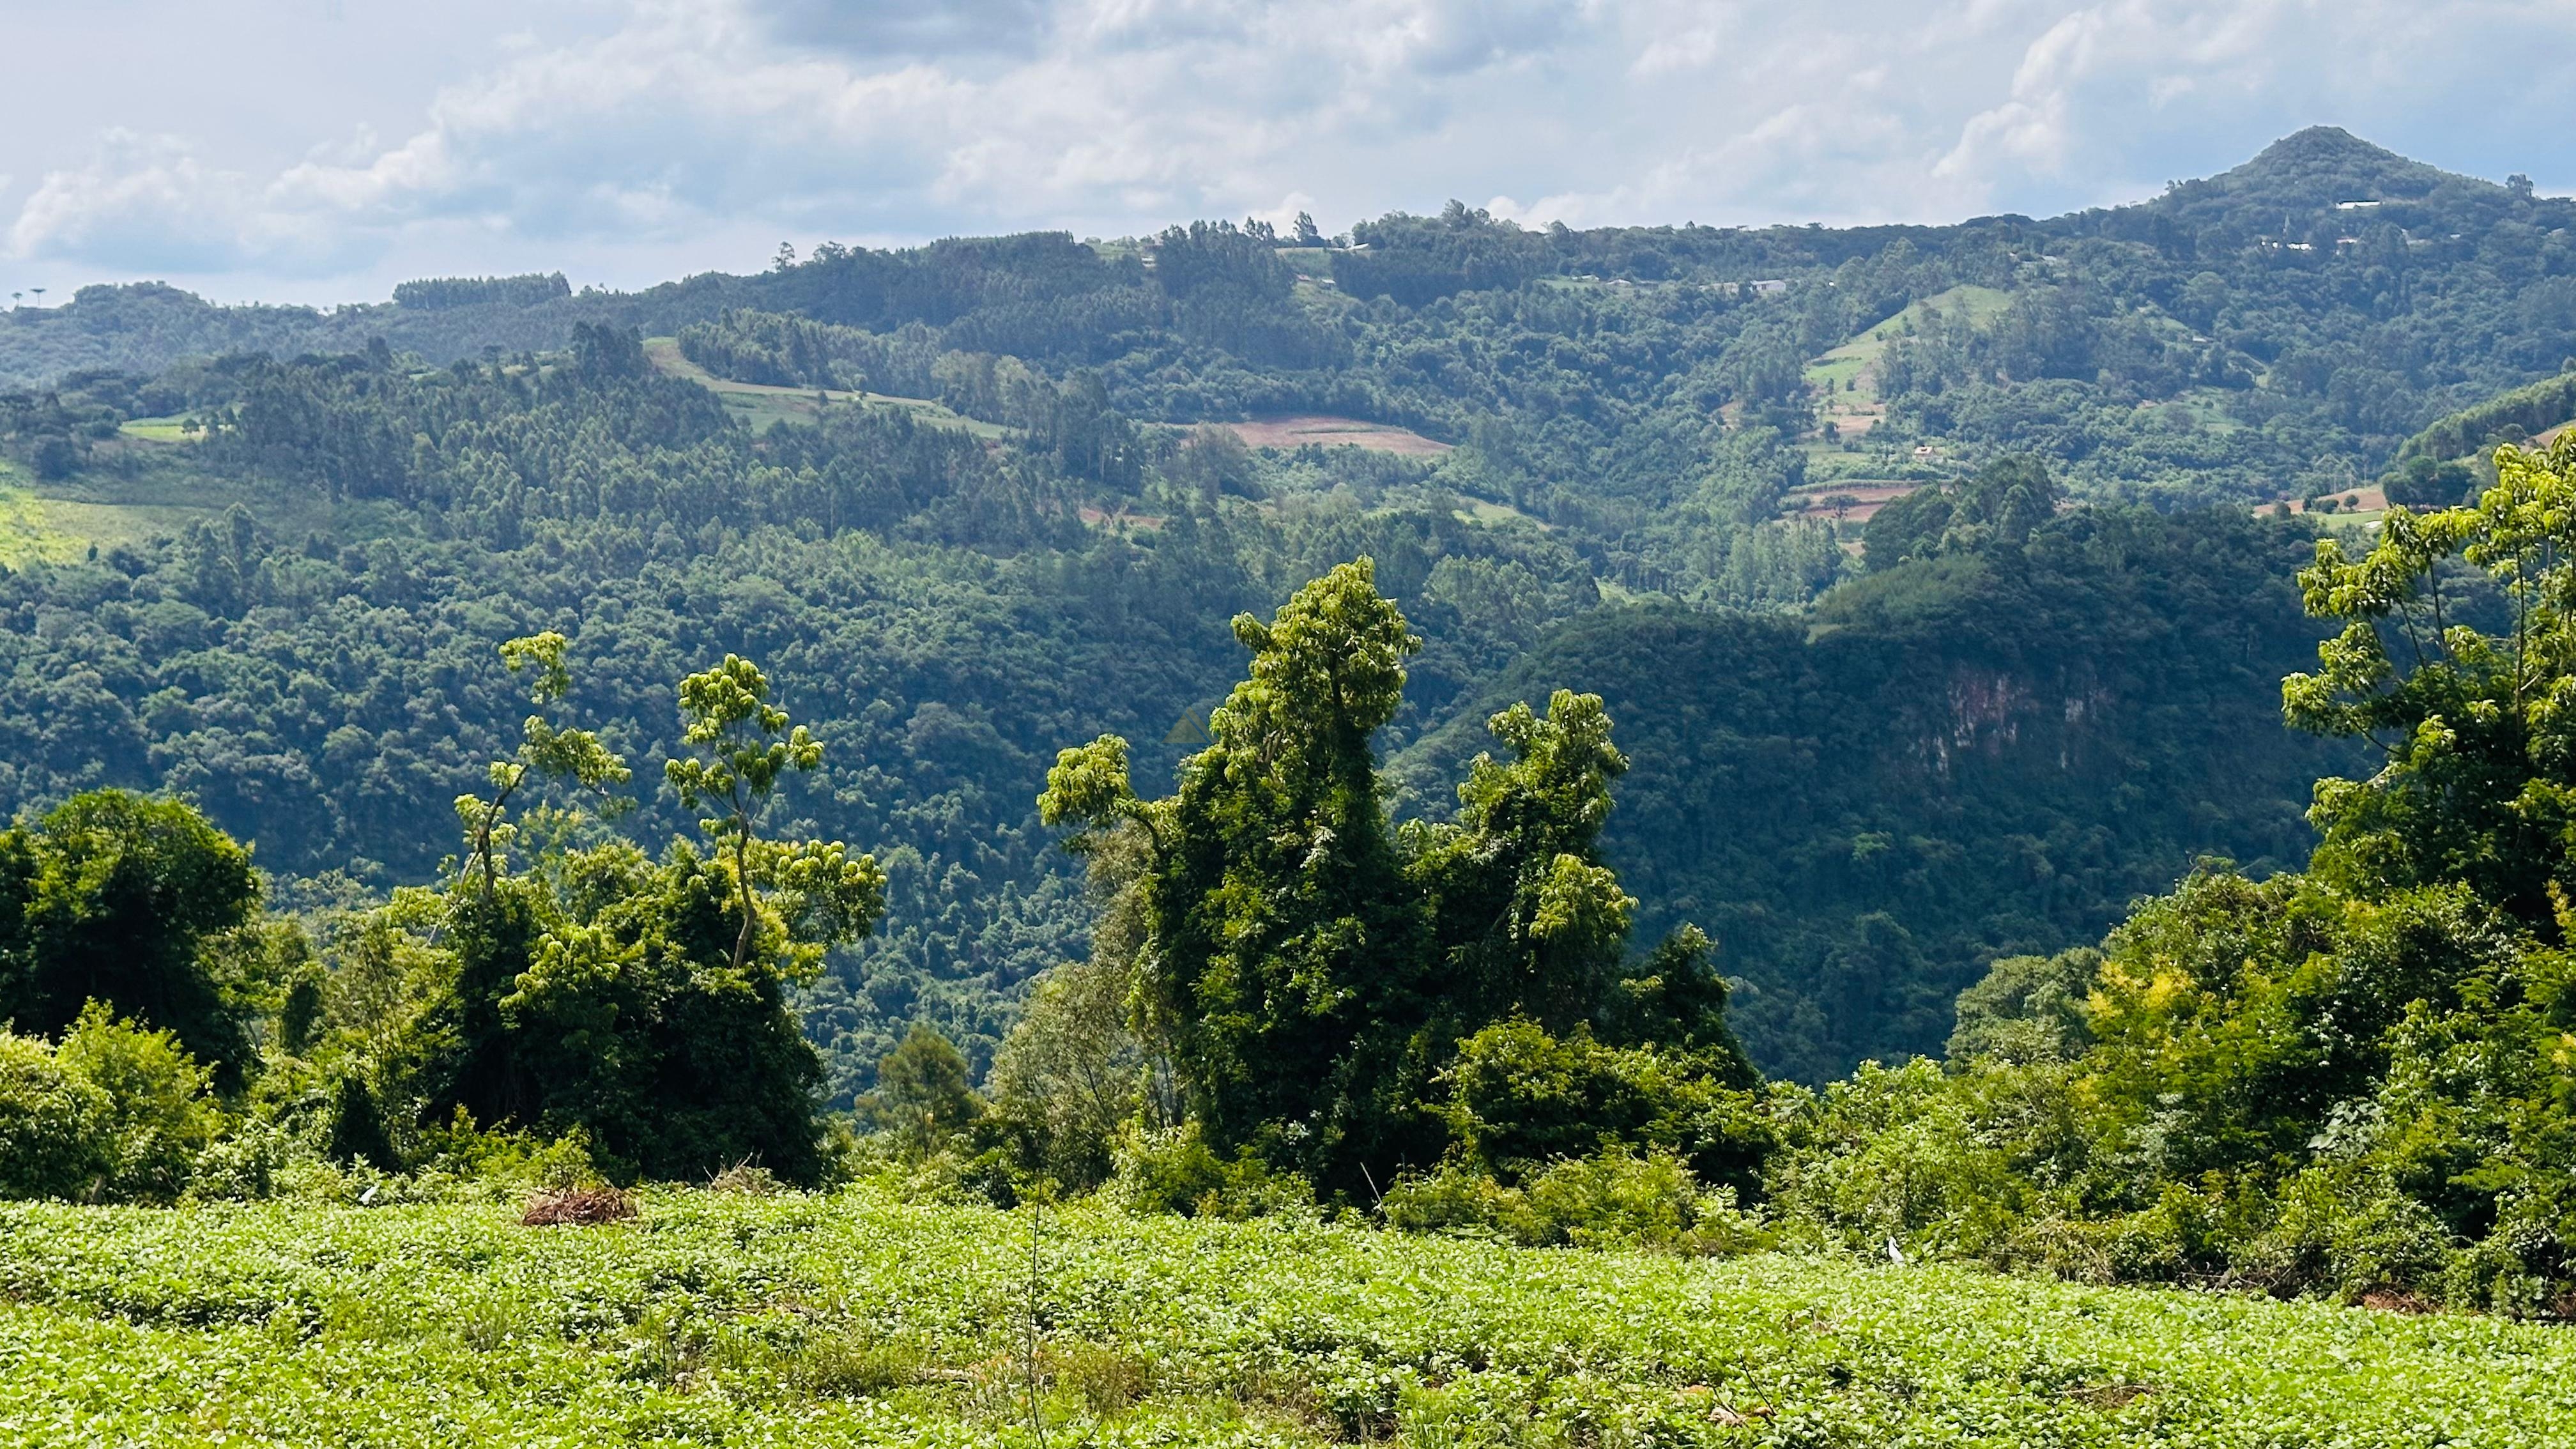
x=322 y=150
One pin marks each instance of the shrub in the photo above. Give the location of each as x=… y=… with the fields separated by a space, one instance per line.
x=243 y=1167
x=53 y=1124
x=1176 y=1171
x=1614 y=1198
x=1519 y=1098
x=2345 y=1230
x=159 y=1118
x=1942 y=1162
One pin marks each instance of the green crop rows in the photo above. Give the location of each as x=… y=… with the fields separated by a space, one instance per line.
x=721 y=1319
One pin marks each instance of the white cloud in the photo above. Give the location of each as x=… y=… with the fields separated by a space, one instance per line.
x=630 y=135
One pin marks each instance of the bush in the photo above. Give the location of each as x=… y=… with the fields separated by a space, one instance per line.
x=2346 y=1230
x=1175 y=1171
x=246 y=1166
x=1612 y=1199
x=1941 y=1162
x=53 y=1124
x=1520 y=1098
x=159 y=1119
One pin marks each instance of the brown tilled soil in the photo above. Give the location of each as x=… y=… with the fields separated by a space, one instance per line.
x=1337 y=432
x=1813 y=501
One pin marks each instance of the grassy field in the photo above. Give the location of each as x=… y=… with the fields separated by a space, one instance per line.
x=156 y=430
x=39 y=527
x=760 y=406
x=724 y=1319
x=1845 y=377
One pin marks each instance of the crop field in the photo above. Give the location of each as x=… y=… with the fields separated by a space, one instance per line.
x=1853 y=500
x=718 y=1318
x=157 y=430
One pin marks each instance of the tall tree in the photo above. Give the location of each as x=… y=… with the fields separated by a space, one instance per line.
x=1315 y=969
x=115 y=897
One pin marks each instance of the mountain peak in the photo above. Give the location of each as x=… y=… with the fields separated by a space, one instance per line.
x=2324 y=146
x=2324 y=165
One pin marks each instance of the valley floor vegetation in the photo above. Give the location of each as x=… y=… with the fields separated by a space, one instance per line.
x=1399 y=1052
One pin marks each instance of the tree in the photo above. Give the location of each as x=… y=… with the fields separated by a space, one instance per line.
x=2478 y=730
x=1315 y=970
x=925 y=1093
x=545 y=749
x=641 y=1001
x=1285 y=952
x=745 y=746
x=1526 y=918
x=2006 y=499
x=116 y=897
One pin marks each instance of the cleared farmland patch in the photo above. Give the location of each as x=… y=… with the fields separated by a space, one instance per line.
x=761 y=406
x=1332 y=432
x=1847 y=501
x=1846 y=377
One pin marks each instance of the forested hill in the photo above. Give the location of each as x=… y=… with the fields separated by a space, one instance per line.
x=1845 y=525
x=2273 y=331
x=1972 y=755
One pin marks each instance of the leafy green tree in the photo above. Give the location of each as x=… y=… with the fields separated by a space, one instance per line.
x=925 y=1093
x=643 y=1002
x=1315 y=970
x=745 y=747
x=2476 y=729
x=1527 y=919
x=545 y=749
x=1286 y=953
x=116 y=897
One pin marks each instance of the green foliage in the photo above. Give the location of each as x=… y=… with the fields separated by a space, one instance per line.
x=2028 y=1009
x=53 y=1123
x=1313 y=969
x=1275 y=901
x=159 y=1119
x=639 y=1003
x=117 y=898
x=852 y=1320
x=1073 y=1074
x=1177 y=1170
x=2514 y=417
x=1999 y=506
x=924 y=1094
x=112 y=1113
x=1613 y=1199
x=1519 y=1101
x=545 y=749
x=2473 y=725
x=2268 y=1084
